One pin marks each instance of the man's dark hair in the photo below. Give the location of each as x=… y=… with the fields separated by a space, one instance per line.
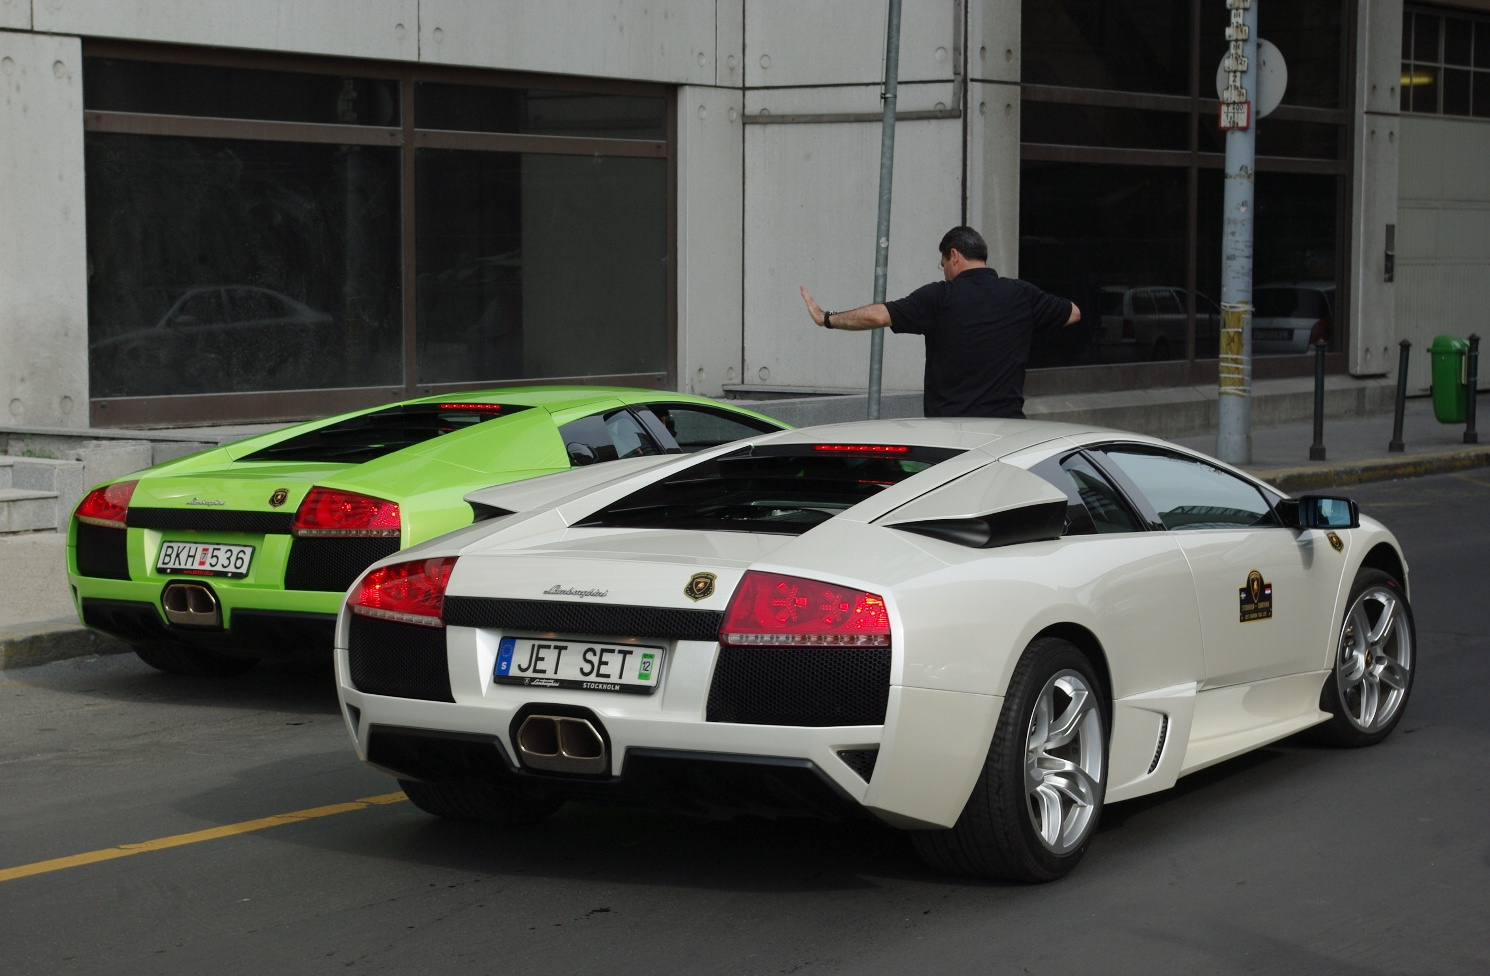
x=968 y=242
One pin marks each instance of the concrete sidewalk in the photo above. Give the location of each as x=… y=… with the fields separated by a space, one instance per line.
x=38 y=622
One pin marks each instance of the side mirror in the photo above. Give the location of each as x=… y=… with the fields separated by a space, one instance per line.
x=581 y=454
x=1319 y=512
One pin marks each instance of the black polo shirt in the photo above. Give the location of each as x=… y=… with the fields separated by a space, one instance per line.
x=978 y=328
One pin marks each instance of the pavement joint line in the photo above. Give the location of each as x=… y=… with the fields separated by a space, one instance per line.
x=195 y=836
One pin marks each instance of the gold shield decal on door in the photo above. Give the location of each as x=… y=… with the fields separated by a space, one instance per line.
x=700 y=586
x=1257 y=598
x=278 y=498
x=1335 y=542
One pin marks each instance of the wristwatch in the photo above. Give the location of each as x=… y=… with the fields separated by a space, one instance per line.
x=827 y=320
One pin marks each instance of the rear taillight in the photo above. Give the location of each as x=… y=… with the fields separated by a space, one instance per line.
x=1322 y=331
x=772 y=610
x=106 y=506
x=329 y=513
x=410 y=593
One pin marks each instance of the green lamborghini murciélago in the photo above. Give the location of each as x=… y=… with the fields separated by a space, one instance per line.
x=211 y=562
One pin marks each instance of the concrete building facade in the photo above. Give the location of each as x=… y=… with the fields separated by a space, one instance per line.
x=238 y=210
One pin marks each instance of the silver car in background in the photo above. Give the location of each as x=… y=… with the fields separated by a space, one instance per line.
x=1290 y=317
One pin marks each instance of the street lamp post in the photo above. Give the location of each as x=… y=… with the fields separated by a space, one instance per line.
x=1234 y=407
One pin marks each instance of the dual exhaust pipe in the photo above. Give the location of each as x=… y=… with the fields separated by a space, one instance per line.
x=562 y=744
x=191 y=605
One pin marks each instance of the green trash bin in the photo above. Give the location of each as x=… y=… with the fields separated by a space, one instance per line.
x=1450 y=402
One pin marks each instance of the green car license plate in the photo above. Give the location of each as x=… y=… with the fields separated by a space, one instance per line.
x=204 y=559
x=556 y=662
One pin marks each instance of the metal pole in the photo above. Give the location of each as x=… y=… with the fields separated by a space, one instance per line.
x=1234 y=409
x=1472 y=387
x=1396 y=444
x=887 y=179
x=1316 y=450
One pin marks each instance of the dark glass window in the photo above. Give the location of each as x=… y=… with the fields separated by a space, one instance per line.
x=232 y=266
x=1308 y=33
x=1093 y=125
x=1108 y=238
x=540 y=265
x=1279 y=137
x=1188 y=494
x=1122 y=45
x=1445 y=64
x=377 y=433
x=695 y=428
x=1093 y=506
x=609 y=437
x=1458 y=41
x=481 y=108
x=162 y=88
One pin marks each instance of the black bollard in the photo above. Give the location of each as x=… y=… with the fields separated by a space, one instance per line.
x=1472 y=387
x=1396 y=444
x=1316 y=450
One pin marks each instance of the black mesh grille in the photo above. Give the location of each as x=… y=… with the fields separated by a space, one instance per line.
x=582 y=618
x=333 y=564
x=128 y=620
x=860 y=761
x=211 y=520
x=101 y=552
x=399 y=660
x=809 y=686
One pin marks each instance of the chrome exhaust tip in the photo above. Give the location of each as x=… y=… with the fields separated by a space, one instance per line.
x=561 y=744
x=191 y=605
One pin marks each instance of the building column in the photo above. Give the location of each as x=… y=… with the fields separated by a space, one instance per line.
x=43 y=238
x=1373 y=191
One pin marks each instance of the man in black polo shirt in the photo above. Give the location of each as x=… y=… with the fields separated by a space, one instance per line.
x=977 y=326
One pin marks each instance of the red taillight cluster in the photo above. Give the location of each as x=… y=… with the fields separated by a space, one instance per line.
x=409 y=593
x=106 y=506
x=329 y=513
x=772 y=610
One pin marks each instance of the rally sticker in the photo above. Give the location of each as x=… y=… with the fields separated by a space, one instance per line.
x=1257 y=598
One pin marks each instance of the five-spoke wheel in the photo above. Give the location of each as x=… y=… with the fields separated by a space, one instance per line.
x=1373 y=663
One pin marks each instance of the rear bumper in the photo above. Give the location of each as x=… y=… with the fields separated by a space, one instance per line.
x=250 y=632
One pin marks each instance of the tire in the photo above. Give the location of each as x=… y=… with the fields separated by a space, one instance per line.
x=999 y=833
x=1370 y=682
x=193 y=661
x=482 y=802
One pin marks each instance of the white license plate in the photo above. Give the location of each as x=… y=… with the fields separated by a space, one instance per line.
x=1273 y=335
x=557 y=662
x=204 y=559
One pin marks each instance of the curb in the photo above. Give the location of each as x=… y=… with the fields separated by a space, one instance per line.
x=1346 y=473
x=27 y=645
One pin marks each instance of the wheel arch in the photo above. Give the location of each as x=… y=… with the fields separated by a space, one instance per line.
x=1384 y=557
x=1088 y=644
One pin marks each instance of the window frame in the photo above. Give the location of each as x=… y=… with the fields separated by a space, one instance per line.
x=408 y=138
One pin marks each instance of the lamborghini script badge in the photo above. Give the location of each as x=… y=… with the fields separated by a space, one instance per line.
x=700 y=586
x=278 y=498
x=1257 y=598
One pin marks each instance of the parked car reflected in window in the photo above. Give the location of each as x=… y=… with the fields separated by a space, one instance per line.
x=1291 y=318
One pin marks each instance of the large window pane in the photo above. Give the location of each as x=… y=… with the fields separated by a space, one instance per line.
x=1295 y=264
x=540 y=265
x=1092 y=125
x=1113 y=239
x=481 y=108
x=225 y=266
x=1123 y=45
x=161 y=88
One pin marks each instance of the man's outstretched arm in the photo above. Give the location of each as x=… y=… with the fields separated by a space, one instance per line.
x=875 y=316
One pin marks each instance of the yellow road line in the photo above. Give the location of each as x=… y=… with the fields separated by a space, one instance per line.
x=195 y=837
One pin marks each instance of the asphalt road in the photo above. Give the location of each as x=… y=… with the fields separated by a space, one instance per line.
x=1295 y=859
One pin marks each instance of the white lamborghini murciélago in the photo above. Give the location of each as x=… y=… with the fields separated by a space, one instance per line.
x=976 y=630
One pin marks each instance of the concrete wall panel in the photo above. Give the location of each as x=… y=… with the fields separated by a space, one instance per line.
x=810 y=213
x=656 y=40
x=352 y=28
x=710 y=230
x=994 y=44
x=729 y=43
x=833 y=42
x=993 y=171
x=1443 y=243
x=43 y=242
x=15 y=14
x=1372 y=299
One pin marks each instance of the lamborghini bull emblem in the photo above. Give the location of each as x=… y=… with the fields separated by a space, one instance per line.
x=700 y=586
x=278 y=498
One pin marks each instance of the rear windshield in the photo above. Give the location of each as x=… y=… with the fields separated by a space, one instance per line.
x=369 y=436
x=786 y=489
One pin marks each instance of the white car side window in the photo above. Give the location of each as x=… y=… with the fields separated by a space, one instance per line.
x=1189 y=494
